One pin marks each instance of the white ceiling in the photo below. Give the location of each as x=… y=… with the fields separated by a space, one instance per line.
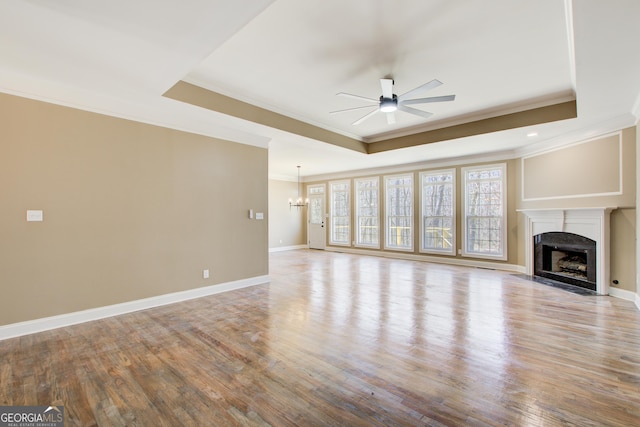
x=293 y=56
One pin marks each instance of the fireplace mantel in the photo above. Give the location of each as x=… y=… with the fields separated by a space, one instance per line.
x=588 y=222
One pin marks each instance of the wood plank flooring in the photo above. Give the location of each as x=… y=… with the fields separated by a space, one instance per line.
x=345 y=340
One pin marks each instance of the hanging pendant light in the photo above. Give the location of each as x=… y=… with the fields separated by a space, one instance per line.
x=299 y=202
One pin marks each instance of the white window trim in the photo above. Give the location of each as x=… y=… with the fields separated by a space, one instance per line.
x=356 y=212
x=465 y=170
x=331 y=222
x=452 y=251
x=386 y=212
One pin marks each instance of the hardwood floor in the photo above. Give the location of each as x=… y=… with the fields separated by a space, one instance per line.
x=345 y=340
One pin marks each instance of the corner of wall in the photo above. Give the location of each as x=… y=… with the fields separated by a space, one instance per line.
x=637 y=216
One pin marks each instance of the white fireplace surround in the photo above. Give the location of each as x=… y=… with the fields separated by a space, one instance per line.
x=588 y=222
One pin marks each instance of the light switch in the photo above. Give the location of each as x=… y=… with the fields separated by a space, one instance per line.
x=250 y=213
x=259 y=215
x=33 y=215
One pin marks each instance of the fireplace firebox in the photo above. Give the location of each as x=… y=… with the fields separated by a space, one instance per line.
x=566 y=257
x=593 y=223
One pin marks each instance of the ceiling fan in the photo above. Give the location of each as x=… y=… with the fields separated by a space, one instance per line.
x=390 y=102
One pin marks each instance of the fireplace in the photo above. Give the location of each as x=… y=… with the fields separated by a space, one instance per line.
x=592 y=224
x=565 y=257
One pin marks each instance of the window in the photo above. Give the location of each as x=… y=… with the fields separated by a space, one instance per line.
x=340 y=213
x=484 y=211
x=399 y=212
x=437 y=225
x=367 y=212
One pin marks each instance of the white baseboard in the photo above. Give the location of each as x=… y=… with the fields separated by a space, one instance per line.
x=637 y=301
x=288 y=248
x=623 y=294
x=39 y=325
x=442 y=260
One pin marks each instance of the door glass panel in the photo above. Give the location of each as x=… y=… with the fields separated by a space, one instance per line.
x=315 y=210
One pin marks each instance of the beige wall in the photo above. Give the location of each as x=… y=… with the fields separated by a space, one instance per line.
x=582 y=170
x=597 y=173
x=130 y=210
x=623 y=251
x=287 y=226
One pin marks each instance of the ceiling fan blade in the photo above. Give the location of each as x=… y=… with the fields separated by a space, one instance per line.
x=427 y=86
x=350 y=109
x=363 y=118
x=391 y=118
x=361 y=98
x=387 y=88
x=415 y=111
x=431 y=99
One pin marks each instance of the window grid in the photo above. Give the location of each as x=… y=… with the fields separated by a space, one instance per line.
x=399 y=212
x=485 y=221
x=340 y=213
x=367 y=212
x=438 y=211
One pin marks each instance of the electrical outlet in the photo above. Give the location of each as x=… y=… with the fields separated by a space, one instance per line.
x=205 y=274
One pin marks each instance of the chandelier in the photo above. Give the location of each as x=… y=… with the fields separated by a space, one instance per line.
x=299 y=202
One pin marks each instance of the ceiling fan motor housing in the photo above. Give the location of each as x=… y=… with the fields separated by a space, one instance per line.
x=388 y=105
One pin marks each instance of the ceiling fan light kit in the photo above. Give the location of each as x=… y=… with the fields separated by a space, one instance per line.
x=390 y=102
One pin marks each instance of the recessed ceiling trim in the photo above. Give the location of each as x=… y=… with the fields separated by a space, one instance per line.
x=198 y=96
x=562 y=111
x=474 y=116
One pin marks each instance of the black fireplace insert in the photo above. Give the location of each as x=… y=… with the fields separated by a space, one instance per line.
x=565 y=257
